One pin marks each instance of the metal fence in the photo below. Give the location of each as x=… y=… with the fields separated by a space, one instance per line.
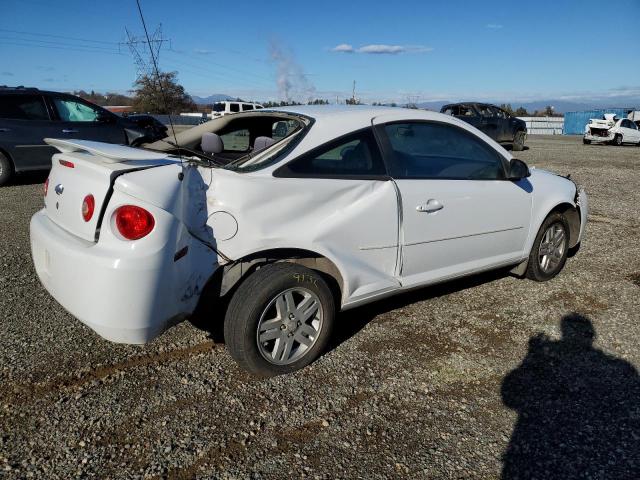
x=544 y=125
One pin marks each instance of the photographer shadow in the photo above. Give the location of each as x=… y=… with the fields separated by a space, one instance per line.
x=578 y=410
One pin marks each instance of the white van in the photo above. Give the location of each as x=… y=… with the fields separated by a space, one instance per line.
x=226 y=108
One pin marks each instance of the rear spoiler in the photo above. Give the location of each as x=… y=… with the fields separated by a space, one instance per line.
x=109 y=152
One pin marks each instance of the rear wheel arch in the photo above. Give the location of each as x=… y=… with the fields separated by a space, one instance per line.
x=226 y=279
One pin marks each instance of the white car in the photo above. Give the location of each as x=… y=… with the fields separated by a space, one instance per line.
x=352 y=205
x=611 y=129
x=221 y=109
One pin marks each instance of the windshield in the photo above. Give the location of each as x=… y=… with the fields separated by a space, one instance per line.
x=218 y=107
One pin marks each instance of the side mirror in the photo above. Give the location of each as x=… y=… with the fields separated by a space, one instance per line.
x=104 y=117
x=518 y=170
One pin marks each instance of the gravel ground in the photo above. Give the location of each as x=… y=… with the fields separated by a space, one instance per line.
x=478 y=378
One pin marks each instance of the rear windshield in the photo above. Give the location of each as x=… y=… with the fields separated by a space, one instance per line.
x=23 y=107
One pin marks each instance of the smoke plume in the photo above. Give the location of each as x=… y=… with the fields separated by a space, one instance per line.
x=291 y=80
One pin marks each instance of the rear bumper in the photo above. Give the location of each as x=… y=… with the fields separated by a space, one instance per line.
x=125 y=298
x=598 y=138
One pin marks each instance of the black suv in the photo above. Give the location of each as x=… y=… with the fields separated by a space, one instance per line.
x=491 y=120
x=28 y=115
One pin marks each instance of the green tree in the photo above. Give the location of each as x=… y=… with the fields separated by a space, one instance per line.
x=521 y=112
x=151 y=98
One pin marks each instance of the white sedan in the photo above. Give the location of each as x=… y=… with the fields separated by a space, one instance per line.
x=289 y=215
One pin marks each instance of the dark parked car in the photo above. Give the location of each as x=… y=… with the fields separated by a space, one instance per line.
x=492 y=120
x=28 y=115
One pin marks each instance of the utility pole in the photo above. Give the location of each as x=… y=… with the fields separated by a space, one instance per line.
x=353 y=94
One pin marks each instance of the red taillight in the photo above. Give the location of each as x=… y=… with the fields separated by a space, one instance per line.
x=46 y=186
x=133 y=222
x=88 y=206
x=66 y=163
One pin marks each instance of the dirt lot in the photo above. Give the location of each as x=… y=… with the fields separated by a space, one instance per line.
x=458 y=381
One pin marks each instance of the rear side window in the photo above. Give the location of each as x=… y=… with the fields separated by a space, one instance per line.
x=23 y=107
x=355 y=155
x=234 y=107
x=441 y=151
x=247 y=107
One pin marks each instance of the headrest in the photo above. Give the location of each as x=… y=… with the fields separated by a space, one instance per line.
x=211 y=143
x=260 y=143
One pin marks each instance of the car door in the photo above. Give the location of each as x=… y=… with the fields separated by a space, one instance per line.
x=24 y=123
x=504 y=132
x=459 y=214
x=629 y=131
x=83 y=120
x=346 y=202
x=489 y=122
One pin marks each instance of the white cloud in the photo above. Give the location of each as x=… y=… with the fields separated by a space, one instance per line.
x=494 y=26
x=381 y=49
x=343 y=48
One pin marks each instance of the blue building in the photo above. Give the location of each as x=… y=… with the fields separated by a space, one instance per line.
x=574 y=122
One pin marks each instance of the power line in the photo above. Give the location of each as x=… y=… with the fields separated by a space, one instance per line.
x=77 y=49
x=37 y=34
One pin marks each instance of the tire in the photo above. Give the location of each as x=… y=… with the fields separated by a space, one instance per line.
x=544 y=267
x=262 y=306
x=6 y=169
x=518 y=141
x=586 y=142
x=617 y=141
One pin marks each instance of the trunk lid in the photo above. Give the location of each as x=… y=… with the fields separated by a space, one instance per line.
x=85 y=168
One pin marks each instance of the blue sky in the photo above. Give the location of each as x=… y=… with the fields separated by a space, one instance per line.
x=395 y=51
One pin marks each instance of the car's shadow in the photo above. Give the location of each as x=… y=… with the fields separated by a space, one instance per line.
x=509 y=147
x=210 y=318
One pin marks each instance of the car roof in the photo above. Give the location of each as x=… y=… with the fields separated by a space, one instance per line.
x=20 y=90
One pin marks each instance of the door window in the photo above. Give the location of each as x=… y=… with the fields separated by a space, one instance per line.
x=441 y=151
x=23 y=107
x=71 y=110
x=234 y=107
x=354 y=155
x=485 y=110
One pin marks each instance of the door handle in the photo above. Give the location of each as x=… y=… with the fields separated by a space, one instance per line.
x=431 y=206
x=69 y=130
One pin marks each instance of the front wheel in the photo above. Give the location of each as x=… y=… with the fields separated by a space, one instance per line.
x=549 y=252
x=279 y=320
x=518 y=141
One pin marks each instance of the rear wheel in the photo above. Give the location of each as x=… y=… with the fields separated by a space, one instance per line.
x=586 y=142
x=617 y=140
x=279 y=319
x=518 y=141
x=549 y=252
x=6 y=169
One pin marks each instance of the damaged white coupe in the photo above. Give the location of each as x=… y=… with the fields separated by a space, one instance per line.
x=613 y=130
x=287 y=216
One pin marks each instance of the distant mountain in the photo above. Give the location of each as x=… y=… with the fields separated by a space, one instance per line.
x=216 y=97
x=560 y=106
